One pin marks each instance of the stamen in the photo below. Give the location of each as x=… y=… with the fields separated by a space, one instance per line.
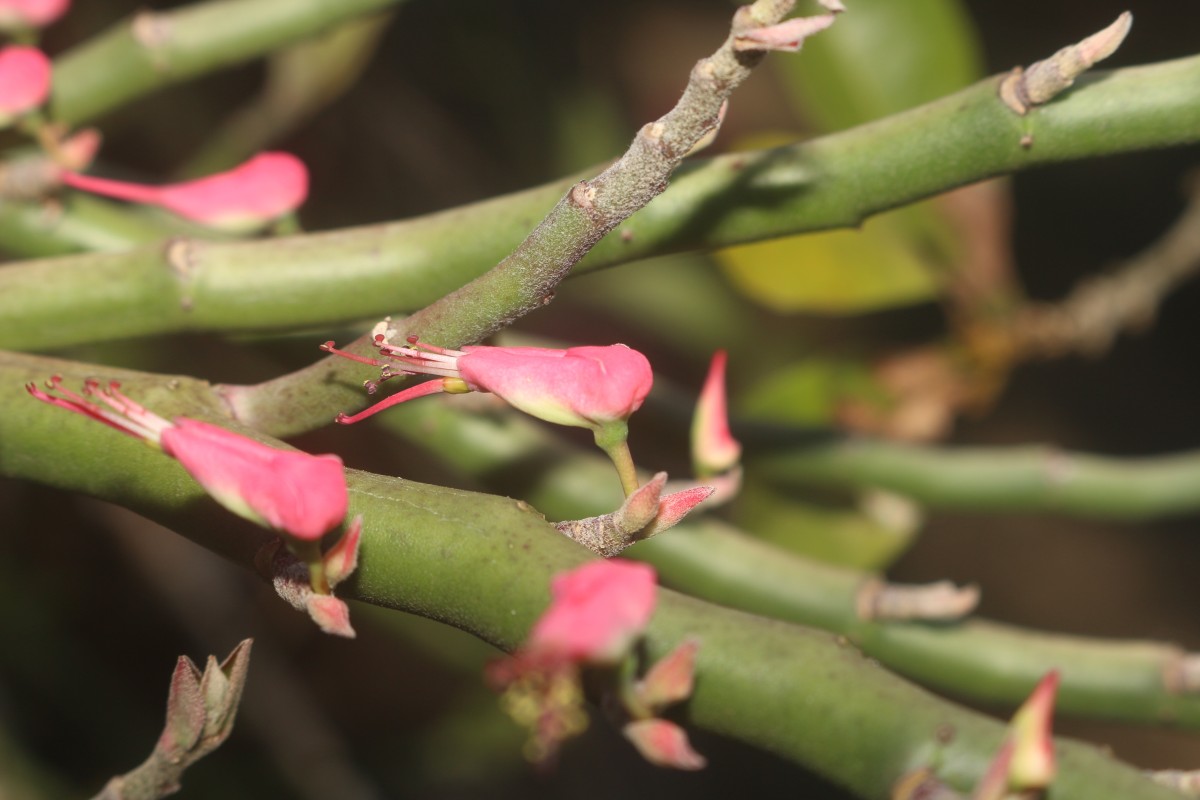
x=420 y=390
x=329 y=348
x=414 y=340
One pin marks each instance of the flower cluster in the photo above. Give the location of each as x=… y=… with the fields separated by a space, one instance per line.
x=597 y=614
x=300 y=496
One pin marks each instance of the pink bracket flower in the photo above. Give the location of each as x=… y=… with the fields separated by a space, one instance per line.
x=244 y=199
x=24 y=82
x=21 y=15
x=587 y=387
x=597 y=614
x=300 y=495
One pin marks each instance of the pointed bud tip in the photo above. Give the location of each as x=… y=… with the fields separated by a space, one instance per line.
x=664 y=744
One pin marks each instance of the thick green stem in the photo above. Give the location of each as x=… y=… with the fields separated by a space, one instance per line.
x=1129 y=681
x=341 y=276
x=484 y=563
x=156 y=49
x=1009 y=479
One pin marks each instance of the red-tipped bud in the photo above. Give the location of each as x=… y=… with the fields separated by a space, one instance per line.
x=342 y=559
x=331 y=615
x=671 y=678
x=664 y=744
x=714 y=450
x=1033 y=764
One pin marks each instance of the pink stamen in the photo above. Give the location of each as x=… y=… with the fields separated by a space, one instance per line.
x=329 y=348
x=420 y=390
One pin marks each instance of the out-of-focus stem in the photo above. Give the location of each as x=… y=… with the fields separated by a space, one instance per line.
x=345 y=275
x=999 y=479
x=1130 y=681
x=156 y=49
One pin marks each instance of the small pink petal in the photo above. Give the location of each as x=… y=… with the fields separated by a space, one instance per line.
x=714 y=450
x=342 y=559
x=302 y=495
x=259 y=191
x=24 y=14
x=675 y=506
x=671 y=678
x=596 y=613
x=642 y=506
x=664 y=744
x=24 y=81
x=582 y=386
x=330 y=614
x=787 y=36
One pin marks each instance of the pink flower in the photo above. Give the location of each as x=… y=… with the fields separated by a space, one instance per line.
x=597 y=612
x=16 y=15
x=24 y=81
x=298 y=494
x=714 y=450
x=245 y=198
x=587 y=387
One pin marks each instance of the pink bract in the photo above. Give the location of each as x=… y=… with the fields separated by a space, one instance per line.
x=597 y=612
x=302 y=495
x=714 y=450
x=249 y=196
x=23 y=14
x=24 y=81
x=581 y=386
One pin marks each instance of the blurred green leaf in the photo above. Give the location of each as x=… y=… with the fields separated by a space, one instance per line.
x=881 y=57
x=835 y=272
x=808 y=393
x=848 y=535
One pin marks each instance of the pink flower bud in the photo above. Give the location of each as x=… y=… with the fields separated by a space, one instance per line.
x=16 y=15
x=341 y=560
x=664 y=744
x=298 y=494
x=714 y=450
x=245 y=198
x=671 y=678
x=587 y=387
x=1033 y=764
x=295 y=493
x=331 y=615
x=597 y=612
x=24 y=81
x=1025 y=761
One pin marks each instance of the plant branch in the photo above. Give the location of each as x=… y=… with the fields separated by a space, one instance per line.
x=1129 y=681
x=1005 y=479
x=527 y=278
x=156 y=49
x=483 y=564
x=346 y=275
x=1125 y=299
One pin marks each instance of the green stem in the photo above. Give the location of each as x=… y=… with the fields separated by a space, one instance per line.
x=484 y=563
x=1004 y=479
x=1129 y=681
x=156 y=49
x=617 y=449
x=342 y=276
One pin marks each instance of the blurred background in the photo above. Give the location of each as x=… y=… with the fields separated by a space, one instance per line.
x=439 y=104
